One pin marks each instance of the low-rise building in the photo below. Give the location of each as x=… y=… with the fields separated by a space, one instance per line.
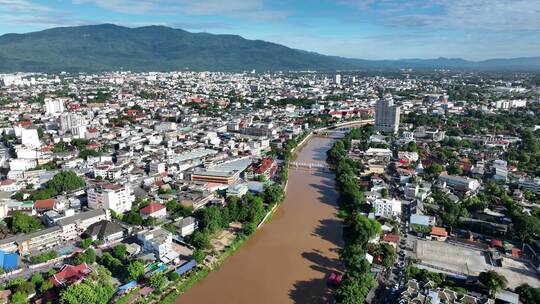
x=154 y=210
x=460 y=183
x=105 y=231
x=159 y=242
x=387 y=207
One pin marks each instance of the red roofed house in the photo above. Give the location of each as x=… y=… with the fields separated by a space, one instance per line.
x=44 y=205
x=92 y=146
x=132 y=112
x=266 y=167
x=497 y=244
x=70 y=274
x=391 y=238
x=438 y=233
x=154 y=210
x=24 y=124
x=92 y=133
x=9 y=185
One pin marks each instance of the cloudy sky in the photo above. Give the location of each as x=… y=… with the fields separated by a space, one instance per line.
x=371 y=29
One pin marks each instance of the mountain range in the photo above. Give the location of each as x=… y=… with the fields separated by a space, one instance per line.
x=107 y=47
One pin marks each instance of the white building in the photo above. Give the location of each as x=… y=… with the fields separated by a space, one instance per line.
x=30 y=138
x=157 y=167
x=532 y=185
x=387 y=116
x=187 y=226
x=54 y=106
x=387 y=207
x=155 y=210
x=337 y=79
x=21 y=164
x=159 y=242
x=460 y=183
x=111 y=196
x=237 y=190
x=409 y=156
x=68 y=121
x=9 y=185
x=75 y=224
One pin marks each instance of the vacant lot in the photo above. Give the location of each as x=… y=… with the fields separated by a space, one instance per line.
x=468 y=261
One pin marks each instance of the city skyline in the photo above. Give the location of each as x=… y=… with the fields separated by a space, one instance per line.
x=367 y=29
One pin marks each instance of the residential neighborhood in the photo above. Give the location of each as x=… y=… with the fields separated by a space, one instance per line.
x=136 y=185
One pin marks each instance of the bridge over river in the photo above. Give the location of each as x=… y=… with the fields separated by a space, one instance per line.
x=288 y=259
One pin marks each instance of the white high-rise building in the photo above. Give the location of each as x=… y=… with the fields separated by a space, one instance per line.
x=337 y=79
x=53 y=106
x=387 y=116
x=111 y=196
x=69 y=121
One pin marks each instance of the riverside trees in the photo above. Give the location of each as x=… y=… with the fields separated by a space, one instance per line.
x=357 y=228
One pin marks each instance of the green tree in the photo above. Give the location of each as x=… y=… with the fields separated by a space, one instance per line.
x=87 y=292
x=528 y=294
x=354 y=290
x=111 y=263
x=388 y=254
x=119 y=251
x=173 y=276
x=66 y=181
x=435 y=169
x=46 y=285
x=44 y=257
x=199 y=255
x=493 y=281
x=135 y=270
x=134 y=218
x=158 y=281
x=209 y=218
x=37 y=279
x=273 y=194
x=359 y=229
x=19 y=298
x=26 y=288
x=22 y=222
x=90 y=256
x=200 y=239
x=85 y=243
x=525 y=227
x=150 y=221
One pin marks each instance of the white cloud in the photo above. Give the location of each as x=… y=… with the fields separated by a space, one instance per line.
x=492 y=15
x=252 y=9
x=22 y=6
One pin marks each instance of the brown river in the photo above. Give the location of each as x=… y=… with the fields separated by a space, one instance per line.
x=288 y=259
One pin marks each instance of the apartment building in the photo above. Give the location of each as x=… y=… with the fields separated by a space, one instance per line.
x=115 y=197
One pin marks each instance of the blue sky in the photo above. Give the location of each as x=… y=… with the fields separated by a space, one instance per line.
x=370 y=29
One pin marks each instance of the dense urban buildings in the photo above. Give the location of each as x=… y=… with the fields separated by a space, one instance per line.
x=140 y=178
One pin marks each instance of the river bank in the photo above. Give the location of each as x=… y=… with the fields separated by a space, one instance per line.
x=287 y=260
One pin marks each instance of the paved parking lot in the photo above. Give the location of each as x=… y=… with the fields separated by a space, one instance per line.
x=468 y=261
x=450 y=257
x=518 y=273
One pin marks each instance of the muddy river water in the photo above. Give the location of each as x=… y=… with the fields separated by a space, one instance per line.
x=287 y=260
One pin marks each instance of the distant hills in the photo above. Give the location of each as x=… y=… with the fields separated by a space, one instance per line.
x=107 y=47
